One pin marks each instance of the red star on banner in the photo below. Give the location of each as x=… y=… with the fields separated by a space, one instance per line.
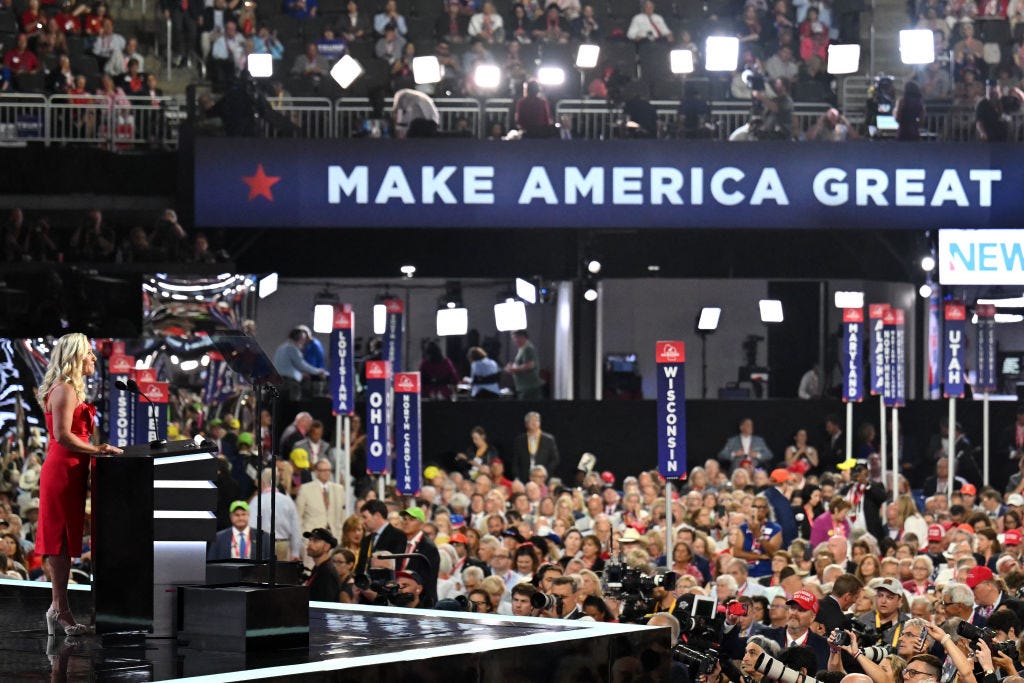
x=260 y=183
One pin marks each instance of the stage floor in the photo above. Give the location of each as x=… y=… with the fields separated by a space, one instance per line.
x=347 y=643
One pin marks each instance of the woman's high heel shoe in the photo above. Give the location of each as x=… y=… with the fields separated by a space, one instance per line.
x=51 y=621
x=72 y=629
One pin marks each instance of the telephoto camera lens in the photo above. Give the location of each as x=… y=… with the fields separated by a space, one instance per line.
x=544 y=601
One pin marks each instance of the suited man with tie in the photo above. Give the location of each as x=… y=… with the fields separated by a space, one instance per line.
x=429 y=564
x=238 y=540
x=321 y=502
x=803 y=608
x=988 y=594
x=745 y=446
x=533 y=447
x=380 y=536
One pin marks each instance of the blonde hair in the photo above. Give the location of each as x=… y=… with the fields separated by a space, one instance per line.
x=66 y=366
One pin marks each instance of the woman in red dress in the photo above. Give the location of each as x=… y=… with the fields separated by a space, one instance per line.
x=65 y=474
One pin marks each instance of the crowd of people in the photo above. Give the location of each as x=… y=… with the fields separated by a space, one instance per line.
x=92 y=238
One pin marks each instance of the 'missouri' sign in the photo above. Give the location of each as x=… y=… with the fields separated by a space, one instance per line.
x=334 y=183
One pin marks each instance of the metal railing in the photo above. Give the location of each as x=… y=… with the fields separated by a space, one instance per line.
x=134 y=122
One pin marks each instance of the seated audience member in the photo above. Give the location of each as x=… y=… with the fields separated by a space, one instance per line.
x=390 y=47
x=552 y=27
x=19 y=59
x=453 y=25
x=311 y=65
x=647 y=25
x=302 y=9
x=354 y=25
x=487 y=25
x=390 y=17
x=107 y=43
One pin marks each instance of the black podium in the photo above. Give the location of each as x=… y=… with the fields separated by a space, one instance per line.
x=152 y=515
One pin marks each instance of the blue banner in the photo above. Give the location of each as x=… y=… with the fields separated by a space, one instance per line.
x=378 y=416
x=121 y=412
x=988 y=380
x=393 y=329
x=853 y=355
x=342 y=377
x=876 y=312
x=440 y=183
x=151 y=418
x=900 y=370
x=670 y=358
x=934 y=373
x=889 y=357
x=955 y=317
x=408 y=456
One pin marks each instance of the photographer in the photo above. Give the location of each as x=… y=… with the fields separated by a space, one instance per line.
x=757 y=645
x=887 y=618
x=778 y=111
x=1005 y=627
x=916 y=638
x=563 y=590
x=956 y=648
x=410 y=584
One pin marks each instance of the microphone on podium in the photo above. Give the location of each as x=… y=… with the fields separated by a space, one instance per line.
x=132 y=387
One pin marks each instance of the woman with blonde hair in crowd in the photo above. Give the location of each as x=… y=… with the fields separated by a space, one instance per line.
x=589 y=584
x=65 y=473
x=910 y=520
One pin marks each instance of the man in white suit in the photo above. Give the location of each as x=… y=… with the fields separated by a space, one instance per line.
x=321 y=502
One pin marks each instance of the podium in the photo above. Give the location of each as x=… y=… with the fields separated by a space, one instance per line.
x=152 y=516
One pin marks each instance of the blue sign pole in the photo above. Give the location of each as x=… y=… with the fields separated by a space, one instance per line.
x=408 y=455
x=670 y=357
x=987 y=380
x=342 y=377
x=378 y=428
x=393 y=333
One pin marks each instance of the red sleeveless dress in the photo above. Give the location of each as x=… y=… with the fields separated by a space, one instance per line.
x=62 y=488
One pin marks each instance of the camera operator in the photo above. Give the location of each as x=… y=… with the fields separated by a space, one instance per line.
x=1005 y=626
x=522 y=593
x=915 y=639
x=956 y=649
x=755 y=646
x=564 y=589
x=409 y=583
x=778 y=110
x=663 y=597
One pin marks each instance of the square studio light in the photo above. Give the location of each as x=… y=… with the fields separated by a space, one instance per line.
x=487 y=76
x=346 y=71
x=849 y=300
x=380 y=318
x=510 y=316
x=681 y=61
x=260 y=65
x=526 y=290
x=771 y=310
x=843 y=59
x=268 y=285
x=323 y=318
x=917 y=46
x=426 y=70
x=723 y=53
x=709 y=317
x=551 y=75
x=452 y=322
x=587 y=56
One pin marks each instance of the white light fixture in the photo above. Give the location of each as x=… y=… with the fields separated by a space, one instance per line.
x=268 y=285
x=174 y=359
x=346 y=71
x=189 y=365
x=843 y=59
x=510 y=315
x=551 y=75
x=1011 y=302
x=723 y=53
x=593 y=266
x=653 y=268
x=323 y=318
x=849 y=299
x=452 y=322
x=587 y=56
x=917 y=46
x=1009 y=317
x=925 y=290
x=681 y=61
x=590 y=293
x=380 y=318
x=487 y=76
x=709 y=317
x=205 y=360
x=928 y=263
x=771 y=310
x=408 y=271
x=260 y=65
x=426 y=70
x=526 y=290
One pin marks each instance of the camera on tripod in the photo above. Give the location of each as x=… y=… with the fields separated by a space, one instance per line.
x=633 y=588
x=382 y=581
x=701 y=627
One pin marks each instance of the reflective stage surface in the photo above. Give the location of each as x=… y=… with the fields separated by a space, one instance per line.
x=347 y=643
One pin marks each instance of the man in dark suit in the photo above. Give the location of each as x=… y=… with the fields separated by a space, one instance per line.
x=803 y=607
x=867 y=498
x=533 y=447
x=380 y=536
x=417 y=542
x=834 y=451
x=845 y=592
x=238 y=540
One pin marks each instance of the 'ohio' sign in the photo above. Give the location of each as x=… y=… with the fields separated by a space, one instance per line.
x=670 y=357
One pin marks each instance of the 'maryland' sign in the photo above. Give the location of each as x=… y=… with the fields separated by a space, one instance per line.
x=636 y=183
